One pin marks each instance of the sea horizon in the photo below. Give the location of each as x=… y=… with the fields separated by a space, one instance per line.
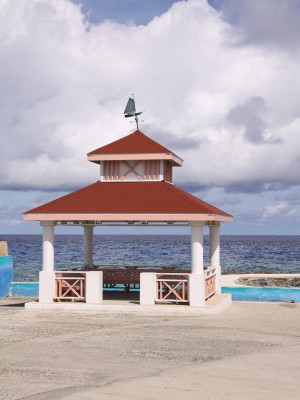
x=239 y=253
x=146 y=234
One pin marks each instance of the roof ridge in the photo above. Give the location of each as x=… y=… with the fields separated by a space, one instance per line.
x=131 y=140
x=149 y=140
x=115 y=141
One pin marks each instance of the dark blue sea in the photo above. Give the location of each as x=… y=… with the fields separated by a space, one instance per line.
x=239 y=254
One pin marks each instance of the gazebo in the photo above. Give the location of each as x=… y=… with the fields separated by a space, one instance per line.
x=135 y=189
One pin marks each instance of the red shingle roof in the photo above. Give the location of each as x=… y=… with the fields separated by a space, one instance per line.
x=136 y=143
x=128 y=198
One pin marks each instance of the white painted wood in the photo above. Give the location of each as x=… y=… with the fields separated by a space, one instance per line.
x=88 y=246
x=133 y=170
x=94 y=287
x=196 y=290
x=214 y=236
x=127 y=217
x=46 y=286
x=197 y=247
x=102 y=177
x=134 y=156
x=48 y=245
x=147 y=288
x=161 y=170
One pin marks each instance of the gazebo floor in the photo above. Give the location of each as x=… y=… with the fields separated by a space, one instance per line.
x=116 y=303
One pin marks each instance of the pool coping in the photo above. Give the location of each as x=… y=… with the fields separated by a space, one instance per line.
x=230 y=280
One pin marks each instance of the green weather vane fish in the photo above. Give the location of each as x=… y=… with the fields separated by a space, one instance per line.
x=130 y=111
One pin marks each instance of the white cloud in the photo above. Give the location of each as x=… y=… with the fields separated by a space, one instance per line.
x=250 y=116
x=274 y=210
x=64 y=86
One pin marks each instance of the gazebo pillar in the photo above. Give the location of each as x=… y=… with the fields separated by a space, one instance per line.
x=46 y=277
x=214 y=236
x=88 y=246
x=197 y=247
x=196 y=278
x=48 y=245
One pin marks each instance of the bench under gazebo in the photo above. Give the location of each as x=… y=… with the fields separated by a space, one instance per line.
x=135 y=189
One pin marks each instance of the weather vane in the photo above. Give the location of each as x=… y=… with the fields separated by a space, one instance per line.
x=130 y=111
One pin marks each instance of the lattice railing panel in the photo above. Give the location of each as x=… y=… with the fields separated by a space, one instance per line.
x=172 y=288
x=210 y=282
x=70 y=286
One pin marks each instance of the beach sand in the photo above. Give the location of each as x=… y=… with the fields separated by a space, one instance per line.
x=250 y=351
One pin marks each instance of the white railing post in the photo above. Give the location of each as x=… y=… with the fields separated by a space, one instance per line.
x=214 y=237
x=94 y=287
x=196 y=290
x=147 y=288
x=46 y=286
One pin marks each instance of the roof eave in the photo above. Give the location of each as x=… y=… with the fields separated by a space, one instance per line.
x=97 y=158
x=126 y=217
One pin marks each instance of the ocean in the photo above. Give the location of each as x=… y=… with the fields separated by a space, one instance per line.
x=239 y=254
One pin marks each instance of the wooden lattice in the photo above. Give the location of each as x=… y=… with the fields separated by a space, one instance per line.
x=210 y=286
x=69 y=286
x=172 y=288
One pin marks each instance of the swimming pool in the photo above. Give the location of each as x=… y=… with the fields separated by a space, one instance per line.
x=263 y=294
x=26 y=289
x=31 y=289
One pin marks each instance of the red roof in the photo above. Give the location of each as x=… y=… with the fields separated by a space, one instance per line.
x=136 y=143
x=128 y=198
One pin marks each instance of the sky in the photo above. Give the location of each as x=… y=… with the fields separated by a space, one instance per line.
x=218 y=83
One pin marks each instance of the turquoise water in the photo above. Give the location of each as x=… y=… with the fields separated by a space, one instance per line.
x=263 y=294
x=26 y=289
x=238 y=293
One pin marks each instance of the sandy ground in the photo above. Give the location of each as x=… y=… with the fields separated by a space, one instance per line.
x=250 y=351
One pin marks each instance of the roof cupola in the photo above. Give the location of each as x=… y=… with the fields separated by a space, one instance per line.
x=135 y=157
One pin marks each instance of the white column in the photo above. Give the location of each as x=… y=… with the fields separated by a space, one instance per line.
x=214 y=237
x=48 y=245
x=197 y=247
x=88 y=246
x=196 y=278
